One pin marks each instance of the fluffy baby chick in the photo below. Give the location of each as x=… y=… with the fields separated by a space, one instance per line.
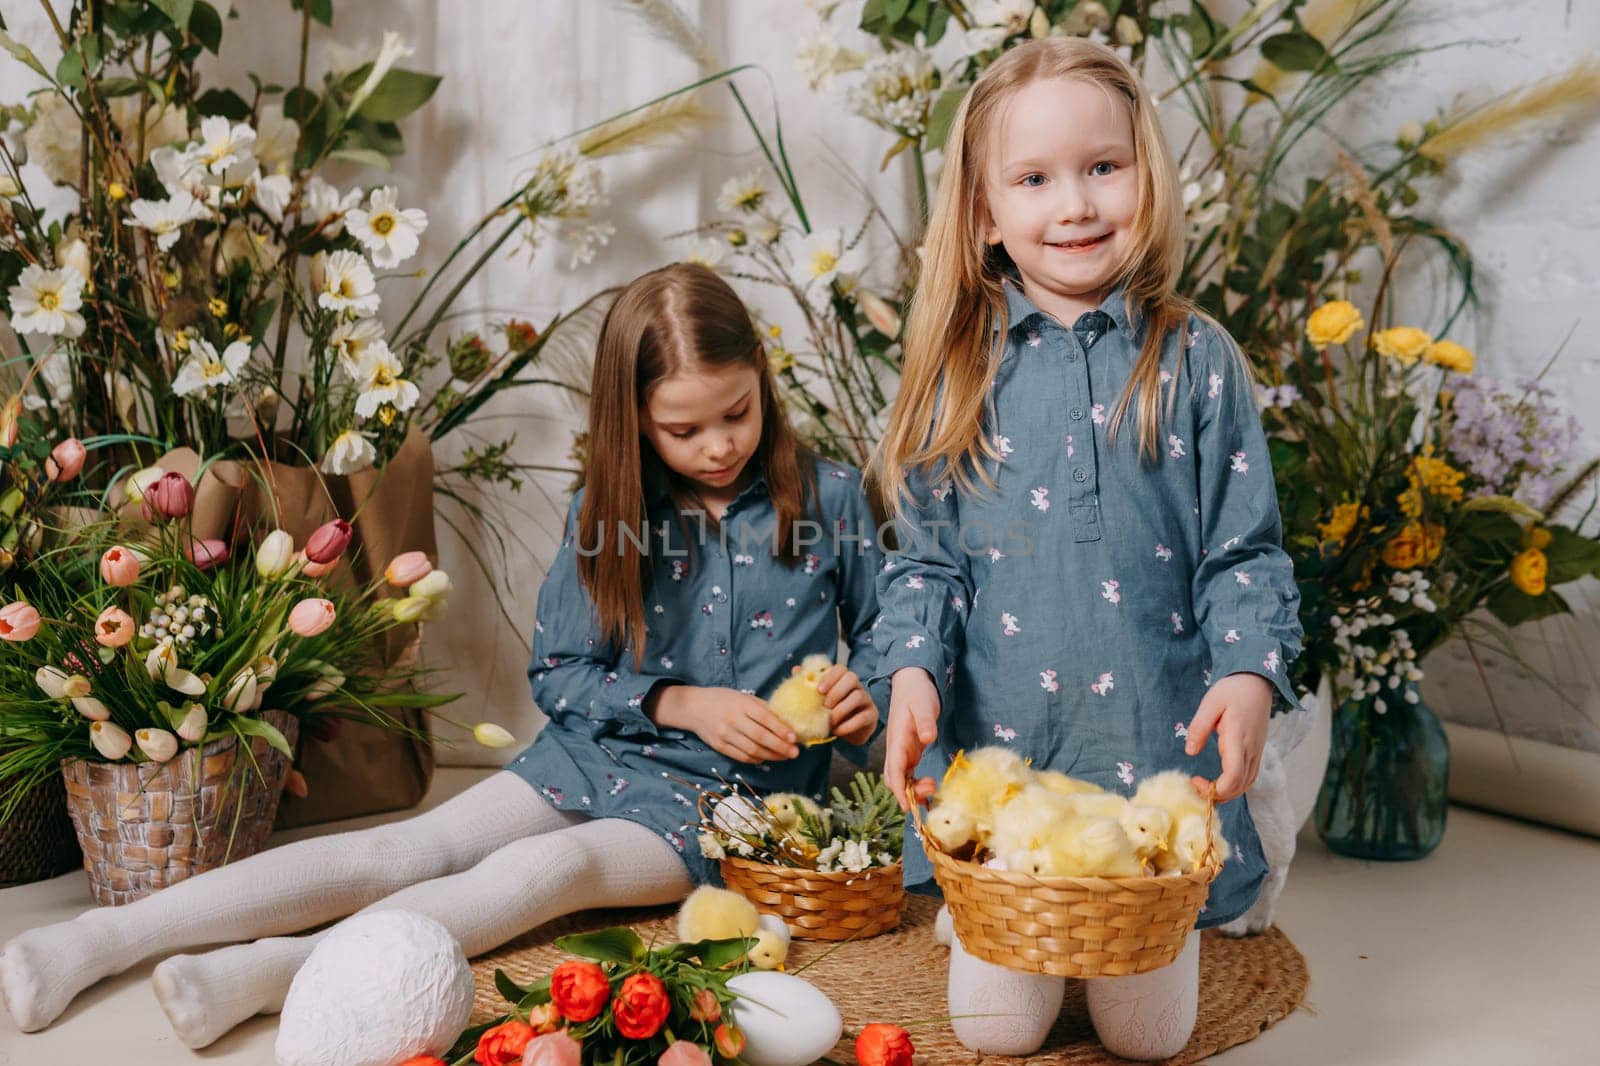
x=772 y=943
x=718 y=914
x=974 y=787
x=1023 y=826
x=1173 y=792
x=1056 y=781
x=797 y=701
x=1188 y=849
x=785 y=812
x=1089 y=846
x=1149 y=829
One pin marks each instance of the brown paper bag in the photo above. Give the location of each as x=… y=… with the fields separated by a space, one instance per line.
x=365 y=769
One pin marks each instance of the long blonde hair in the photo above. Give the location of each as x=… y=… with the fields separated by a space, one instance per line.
x=676 y=318
x=950 y=360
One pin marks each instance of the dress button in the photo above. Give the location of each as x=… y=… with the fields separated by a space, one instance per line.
x=1072 y=357
x=1077 y=414
x=1080 y=475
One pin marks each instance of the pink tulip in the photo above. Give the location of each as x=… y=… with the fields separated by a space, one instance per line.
x=559 y=1049
x=328 y=542
x=66 y=460
x=119 y=566
x=311 y=616
x=170 y=497
x=18 y=622
x=315 y=570
x=206 y=553
x=682 y=1053
x=114 y=628
x=407 y=568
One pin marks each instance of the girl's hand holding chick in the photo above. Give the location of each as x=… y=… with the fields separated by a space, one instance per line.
x=913 y=725
x=1237 y=708
x=851 y=712
x=734 y=723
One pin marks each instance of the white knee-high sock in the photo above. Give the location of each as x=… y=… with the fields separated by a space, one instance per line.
x=278 y=891
x=1148 y=1016
x=602 y=863
x=998 y=1011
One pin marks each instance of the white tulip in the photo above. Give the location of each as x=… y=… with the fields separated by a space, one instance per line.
x=110 y=740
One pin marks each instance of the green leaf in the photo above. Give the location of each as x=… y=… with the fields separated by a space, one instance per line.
x=618 y=944
x=941 y=114
x=321 y=10
x=69 y=72
x=719 y=953
x=176 y=10
x=257 y=728
x=224 y=102
x=1513 y=606
x=508 y=988
x=206 y=25
x=894 y=10
x=895 y=149
x=110 y=87
x=1570 y=554
x=398 y=94
x=1294 y=51
x=1502 y=505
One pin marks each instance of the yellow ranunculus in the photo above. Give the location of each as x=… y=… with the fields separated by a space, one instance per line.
x=1537 y=537
x=1407 y=549
x=1451 y=356
x=1333 y=323
x=1528 y=571
x=1405 y=343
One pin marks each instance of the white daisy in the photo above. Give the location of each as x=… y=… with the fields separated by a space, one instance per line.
x=350 y=339
x=225 y=146
x=277 y=137
x=823 y=259
x=388 y=232
x=343 y=282
x=322 y=203
x=744 y=194
x=206 y=370
x=179 y=169
x=166 y=218
x=708 y=254
x=350 y=453
x=378 y=376
x=47 y=301
x=271 y=194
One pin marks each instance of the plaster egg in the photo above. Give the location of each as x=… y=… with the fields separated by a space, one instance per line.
x=785 y=1019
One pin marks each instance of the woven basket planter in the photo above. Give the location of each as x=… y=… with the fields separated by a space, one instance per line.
x=37 y=841
x=822 y=906
x=1069 y=926
x=144 y=826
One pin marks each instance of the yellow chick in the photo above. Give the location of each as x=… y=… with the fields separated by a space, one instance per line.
x=1149 y=829
x=1171 y=790
x=1189 y=844
x=1023 y=825
x=797 y=701
x=772 y=943
x=784 y=813
x=718 y=914
x=974 y=786
x=1056 y=781
x=1089 y=846
x=1099 y=804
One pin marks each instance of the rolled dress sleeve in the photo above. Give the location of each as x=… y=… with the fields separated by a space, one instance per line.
x=578 y=677
x=925 y=586
x=1245 y=598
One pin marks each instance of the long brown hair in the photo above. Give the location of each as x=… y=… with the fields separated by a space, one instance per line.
x=681 y=317
x=950 y=360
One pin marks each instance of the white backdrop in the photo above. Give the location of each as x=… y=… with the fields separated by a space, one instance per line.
x=518 y=73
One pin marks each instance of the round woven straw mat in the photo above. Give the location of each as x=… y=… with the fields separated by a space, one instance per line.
x=899 y=977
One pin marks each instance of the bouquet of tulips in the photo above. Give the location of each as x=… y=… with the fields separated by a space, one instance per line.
x=131 y=639
x=619 y=1002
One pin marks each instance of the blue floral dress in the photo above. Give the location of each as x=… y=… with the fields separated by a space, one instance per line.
x=1079 y=610
x=720 y=612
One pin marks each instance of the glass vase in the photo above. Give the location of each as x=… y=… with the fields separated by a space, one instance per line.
x=1384 y=795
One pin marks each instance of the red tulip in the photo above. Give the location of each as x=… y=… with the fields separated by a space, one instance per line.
x=170 y=497
x=328 y=542
x=206 y=553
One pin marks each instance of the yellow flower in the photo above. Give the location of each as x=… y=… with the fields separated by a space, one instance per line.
x=1451 y=356
x=117 y=191
x=217 y=306
x=1405 y=343
x=780 y=358
x=1342 y=522
x=1537 y=537
x=1528 y=571
x=1415 y=545
x=1435 y=477
x=1333 y=323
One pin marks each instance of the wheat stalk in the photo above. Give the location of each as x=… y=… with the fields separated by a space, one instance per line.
x=1541 y=100
x=675 y=118
x=673 y=26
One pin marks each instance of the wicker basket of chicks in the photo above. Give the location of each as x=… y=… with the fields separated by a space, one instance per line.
x=1049 y=874
x=830 y=873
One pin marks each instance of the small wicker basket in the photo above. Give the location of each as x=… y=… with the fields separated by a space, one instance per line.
x=1070 y=926
x=822 y=906
x=144 y=826
x=37 y=842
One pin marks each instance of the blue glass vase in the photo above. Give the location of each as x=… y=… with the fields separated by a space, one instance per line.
x=1384 y=793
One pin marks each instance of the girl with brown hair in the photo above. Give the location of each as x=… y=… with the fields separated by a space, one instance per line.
x=709 y=553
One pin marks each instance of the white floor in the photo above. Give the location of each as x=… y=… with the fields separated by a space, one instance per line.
x=1487 y=952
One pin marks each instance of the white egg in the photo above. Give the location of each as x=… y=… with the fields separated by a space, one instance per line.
x=776 y=925
x=786 y=1020
x=378 y=989
x=735 y=815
